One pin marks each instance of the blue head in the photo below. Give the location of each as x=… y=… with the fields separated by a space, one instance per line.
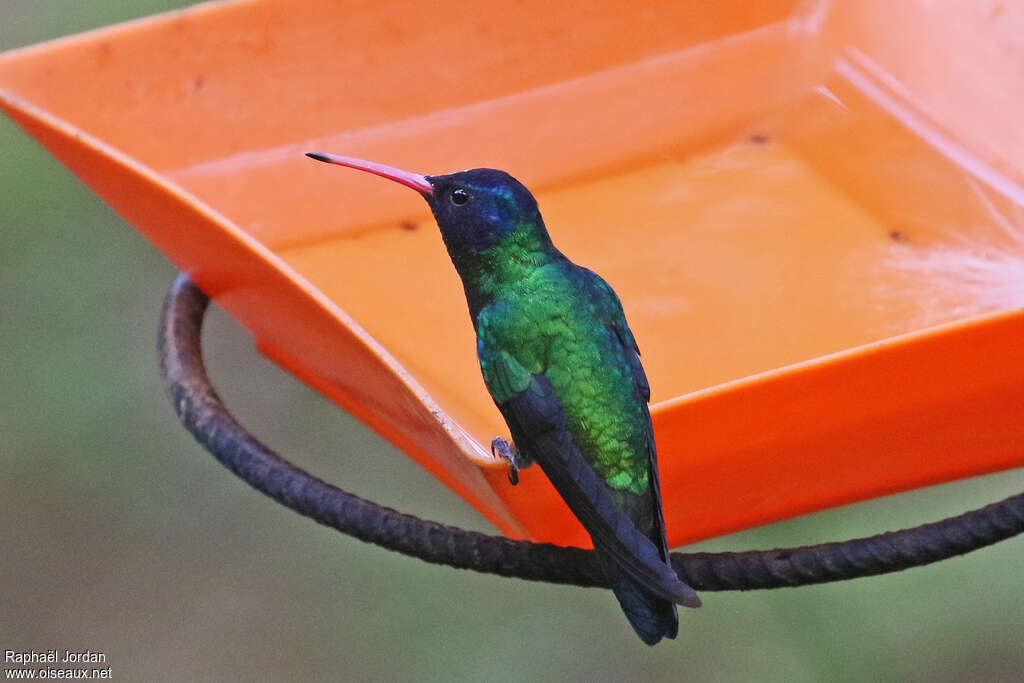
x=475 y=209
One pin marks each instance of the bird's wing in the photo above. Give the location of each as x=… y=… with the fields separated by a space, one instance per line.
x=608 y=309
x=539 y=427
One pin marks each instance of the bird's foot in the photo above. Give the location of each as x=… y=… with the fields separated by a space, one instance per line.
x=516 y=461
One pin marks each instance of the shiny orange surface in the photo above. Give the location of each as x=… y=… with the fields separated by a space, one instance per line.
x=813 y=213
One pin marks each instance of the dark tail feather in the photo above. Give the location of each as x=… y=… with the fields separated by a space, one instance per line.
x=652 y=618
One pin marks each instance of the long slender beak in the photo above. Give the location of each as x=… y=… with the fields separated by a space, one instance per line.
x=407 y=178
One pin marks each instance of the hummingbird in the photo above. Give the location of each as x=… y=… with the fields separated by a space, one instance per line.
x=563 y=368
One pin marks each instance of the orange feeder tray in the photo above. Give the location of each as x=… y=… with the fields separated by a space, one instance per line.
x=812 y=211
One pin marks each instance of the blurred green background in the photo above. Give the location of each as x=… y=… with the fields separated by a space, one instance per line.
x=119 y=534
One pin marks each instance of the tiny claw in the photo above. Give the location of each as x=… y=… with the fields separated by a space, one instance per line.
x=501 y=449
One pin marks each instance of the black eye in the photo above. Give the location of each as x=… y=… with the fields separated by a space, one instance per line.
x=459 y=196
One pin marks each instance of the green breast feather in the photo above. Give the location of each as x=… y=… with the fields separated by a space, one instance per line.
x=564 y=322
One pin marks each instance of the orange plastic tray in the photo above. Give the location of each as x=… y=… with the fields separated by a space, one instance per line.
x=812 y=211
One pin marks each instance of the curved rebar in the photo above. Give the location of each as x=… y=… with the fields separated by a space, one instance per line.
x=205 y=416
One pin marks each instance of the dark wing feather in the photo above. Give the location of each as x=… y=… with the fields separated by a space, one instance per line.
x=608 y=308
x=538 y=425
